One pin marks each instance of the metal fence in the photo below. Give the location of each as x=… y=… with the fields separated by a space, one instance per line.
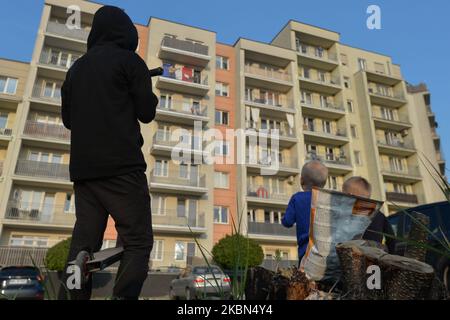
x=42 y=169
x=46 y=130
x=22 y=256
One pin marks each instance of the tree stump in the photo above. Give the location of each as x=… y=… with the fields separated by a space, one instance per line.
x=299 y=286
x=259 y=283
x=405 y=278
x=355 y=258
x=419 y=235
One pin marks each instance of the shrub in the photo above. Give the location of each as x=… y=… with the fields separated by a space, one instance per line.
x=56 y=257
x=237 y=251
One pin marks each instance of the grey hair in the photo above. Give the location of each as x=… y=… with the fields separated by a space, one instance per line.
x=362 y=182
x=314 y=174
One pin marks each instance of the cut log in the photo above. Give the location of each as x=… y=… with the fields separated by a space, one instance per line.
x=299 y=286
x=419 y=235
x=355 y=258
x=406 y=279
x=259 y=282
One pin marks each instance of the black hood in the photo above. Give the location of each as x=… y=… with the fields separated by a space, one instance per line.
x=113 y=26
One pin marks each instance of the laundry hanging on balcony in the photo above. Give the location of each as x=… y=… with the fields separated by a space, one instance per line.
x=187 y=74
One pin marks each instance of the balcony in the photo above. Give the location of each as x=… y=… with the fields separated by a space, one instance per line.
x=335 y=137
x=47 y=95
x=408 y=174
x=173 y=221
x=388 y=123
x=317 y=58
x=286 y=135
x=394 y=147
x=44 y=170
x=402 y=197
x=197 y=86
x=38 y=215
x=336 y=164
x=269 y=106
x=173 y=182
x=387 y=99
x=382 y=77
x=5 y=134
x=268 y=78
x=61 y=30
x=55 y=62
x=327 y=85
x=177 y=111
x=163 y=145
x=184 y=51
x=271 y=231
x=288 y=166
x=326 y=110
x=46 y=131
x=267 y=196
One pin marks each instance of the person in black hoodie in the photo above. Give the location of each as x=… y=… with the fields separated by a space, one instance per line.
x=105 y=95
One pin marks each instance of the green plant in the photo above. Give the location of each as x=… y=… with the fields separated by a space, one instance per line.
x=56 y=257
x=229 y=253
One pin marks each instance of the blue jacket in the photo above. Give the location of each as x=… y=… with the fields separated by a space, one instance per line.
x=298 y=213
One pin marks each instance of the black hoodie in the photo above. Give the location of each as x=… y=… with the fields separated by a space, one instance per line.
x=104 y=95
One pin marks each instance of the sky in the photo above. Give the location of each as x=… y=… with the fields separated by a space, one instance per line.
x=414 y=33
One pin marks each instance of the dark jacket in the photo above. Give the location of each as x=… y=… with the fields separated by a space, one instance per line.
x=104 y=95
x=378 y=229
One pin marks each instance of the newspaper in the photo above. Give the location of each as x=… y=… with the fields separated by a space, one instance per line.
x=335 y=218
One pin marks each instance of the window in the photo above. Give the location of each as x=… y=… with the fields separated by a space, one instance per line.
x=350 y=106
x=165 y=101
x=28 y=241
x=161 y=168
x=157 y=251
x=251 y=215
x=221 y=180
x=332 y=183
x=326 y=125
x=306 y=72
x=353 y=131
x=69 y=203
x=180 y=247
x=344 y=59
x=358 y=158
x=387 y=114
x=306 y=97
x=52 y=90
x=184 y=171
x=221 y=215
x=396 y=164
x=222 y=89
x=221 y=117
x=222 y=63
x=347 y=82
x=8 y=85
x=400 y=188
x=108 y=244
x=222 y=148
x=158 y=205
x=362 y=64
x=3 y=120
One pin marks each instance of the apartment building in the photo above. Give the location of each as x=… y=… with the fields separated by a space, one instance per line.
x=348 y=107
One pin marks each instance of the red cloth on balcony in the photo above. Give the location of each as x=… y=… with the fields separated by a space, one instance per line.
x=187 y=74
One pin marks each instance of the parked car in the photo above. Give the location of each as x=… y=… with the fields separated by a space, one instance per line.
x=200 y=281
x=439 y=214
x=21 y=283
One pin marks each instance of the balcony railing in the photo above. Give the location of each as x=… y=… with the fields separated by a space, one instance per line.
x=195 y=80
x=397 y=144
x=399 y=118
x=386 y=94
x=39 y=169
x=39 y=92
x=46 y=130
x=333 y=81
x=39 y=213
x=62 y=30
x=270 y=229
x=330 y=158
x=286 y=162
x=177 y=218
x=412 y=171
x=163 y=138
x=339 y=132
x=402 y=197
x=268 y=73
x=327 y=106
x=46 y=58
x=5 y=132
x=185 y=45
x=179 y=106
x=173 y=178
x=267 y=193
x=270 y=103
x=316 y=52
x=285 y=131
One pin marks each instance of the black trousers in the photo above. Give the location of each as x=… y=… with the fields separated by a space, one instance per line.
x=126 y=198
